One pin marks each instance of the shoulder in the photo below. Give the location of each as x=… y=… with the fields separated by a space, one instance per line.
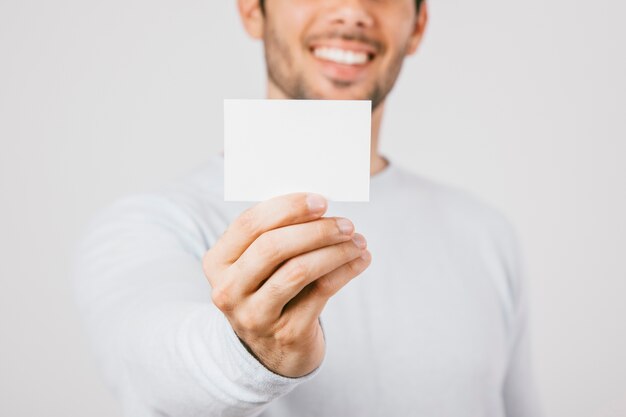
x=455 y=205
x=174 y=213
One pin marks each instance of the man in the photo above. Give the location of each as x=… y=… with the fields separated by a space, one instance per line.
x=198 y=307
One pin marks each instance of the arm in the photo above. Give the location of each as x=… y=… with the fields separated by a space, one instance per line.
x=520 y=394
x=163 y=347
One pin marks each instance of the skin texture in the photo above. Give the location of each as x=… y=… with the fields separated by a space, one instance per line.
x=279 y=262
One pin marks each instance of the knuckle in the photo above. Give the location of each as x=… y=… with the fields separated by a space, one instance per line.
x=294 y=272
x=267 y=247
x=274 y=289
x=247 y=221
x=297 y=270
x=325 y=286
x=321 y=229
x=352 y=268
x=222 y=299
x=347 y=250
x=249 y=320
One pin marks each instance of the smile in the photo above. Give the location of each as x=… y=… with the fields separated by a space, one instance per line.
x=344 y=61
x=342 y=56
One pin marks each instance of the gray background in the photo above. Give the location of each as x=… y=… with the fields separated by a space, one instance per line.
x=522 y=103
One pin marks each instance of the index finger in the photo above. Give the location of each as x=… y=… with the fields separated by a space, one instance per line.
x=270 y=214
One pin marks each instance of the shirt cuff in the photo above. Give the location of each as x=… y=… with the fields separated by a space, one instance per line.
x=255 y=375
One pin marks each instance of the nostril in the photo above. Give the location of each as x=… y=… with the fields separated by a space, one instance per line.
x=351 y=15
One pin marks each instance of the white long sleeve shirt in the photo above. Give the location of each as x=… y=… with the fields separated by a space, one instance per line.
x=437 y=326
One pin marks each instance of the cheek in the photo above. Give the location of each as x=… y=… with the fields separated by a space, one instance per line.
x=293 y=22
x=399 y=37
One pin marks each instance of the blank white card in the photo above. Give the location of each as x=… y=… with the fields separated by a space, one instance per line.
x=275 y=147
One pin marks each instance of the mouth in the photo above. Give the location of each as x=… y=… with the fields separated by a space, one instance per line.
x=341 y=56
x=343 y=61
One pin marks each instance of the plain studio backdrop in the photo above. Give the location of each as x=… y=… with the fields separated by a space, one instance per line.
x=522 y=103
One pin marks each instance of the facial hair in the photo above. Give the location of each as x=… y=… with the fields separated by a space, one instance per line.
x=281 y=71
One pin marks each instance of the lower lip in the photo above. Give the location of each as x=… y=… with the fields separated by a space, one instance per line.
x=342 y=72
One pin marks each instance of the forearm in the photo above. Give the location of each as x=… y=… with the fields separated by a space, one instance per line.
x=185 y=360
x=162 y=345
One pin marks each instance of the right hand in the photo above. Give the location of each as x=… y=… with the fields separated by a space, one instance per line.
x=272 y=272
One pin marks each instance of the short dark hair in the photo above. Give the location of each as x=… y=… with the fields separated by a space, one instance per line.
x=418 y=3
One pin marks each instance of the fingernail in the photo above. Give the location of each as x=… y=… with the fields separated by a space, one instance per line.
x=345 y=226
x=359 y=240
x=316 y=203
x=366 y=255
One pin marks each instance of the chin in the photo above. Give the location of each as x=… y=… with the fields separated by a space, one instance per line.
x=337 y=90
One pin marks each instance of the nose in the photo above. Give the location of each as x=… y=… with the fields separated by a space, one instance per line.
x=350 y=13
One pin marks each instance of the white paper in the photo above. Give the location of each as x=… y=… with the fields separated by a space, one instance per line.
x=275 y=147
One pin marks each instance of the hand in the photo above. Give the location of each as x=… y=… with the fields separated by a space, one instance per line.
x=274 y=269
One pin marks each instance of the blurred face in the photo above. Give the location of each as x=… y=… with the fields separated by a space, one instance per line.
x=338 y=49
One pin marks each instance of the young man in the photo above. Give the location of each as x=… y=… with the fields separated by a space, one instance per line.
x=198 y=307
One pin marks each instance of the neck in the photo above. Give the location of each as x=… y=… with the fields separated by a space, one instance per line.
x=377 y=162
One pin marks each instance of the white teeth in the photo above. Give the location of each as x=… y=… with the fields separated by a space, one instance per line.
x=340 y=56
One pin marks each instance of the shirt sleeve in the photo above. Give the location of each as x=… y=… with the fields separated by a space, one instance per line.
x=520 y=393
x=163 y=347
